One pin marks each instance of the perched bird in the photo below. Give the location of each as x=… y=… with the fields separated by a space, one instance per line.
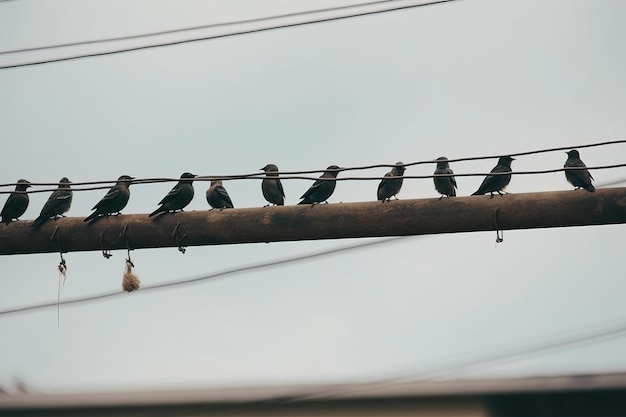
x=272 y=188
x=58 y=203
x=497 y=183
x=579 y=178
x=390 y=187
x=114 y=200
x=322 y=189
x=444 y=185
x=17 y=203
x=178 y=197
x=217 y=196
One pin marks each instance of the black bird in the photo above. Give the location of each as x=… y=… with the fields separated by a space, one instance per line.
x=322 y=189
x=58 y=203
x=16 y=204
x=444 y=185
x=217 y=196
x=390 y=187
x=272 y=188
x=579 y=178
x=497 y=183
x=179 y=196
x=114 y=200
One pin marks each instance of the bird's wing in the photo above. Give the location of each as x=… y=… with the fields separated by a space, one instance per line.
x=316 y=185
x=112 y=194
x=280 y=187
x=452 y=179
x=174 y=192
x=583 y=174
x=8 y=203
x=223 y=194
x=382 y=185
x=56 y=199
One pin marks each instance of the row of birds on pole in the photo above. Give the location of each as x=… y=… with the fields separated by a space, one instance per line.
x=182 y=193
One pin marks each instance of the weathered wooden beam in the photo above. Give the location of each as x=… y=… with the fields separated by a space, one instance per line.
x=325 y=221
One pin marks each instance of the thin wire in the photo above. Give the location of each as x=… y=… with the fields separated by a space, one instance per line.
x=225 y=35
x=507 y=355
x=239 y=177
x=193 y=28
x=568 y=342
x=228 y=272
x=295 y=174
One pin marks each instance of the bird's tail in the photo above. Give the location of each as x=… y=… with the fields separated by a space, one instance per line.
x=304 y=202
x=155 y=212
x=91 y=216
x=39 y=221
x=590 y=188
x=478 y=193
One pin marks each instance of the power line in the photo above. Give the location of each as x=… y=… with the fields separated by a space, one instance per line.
x=298 y=174
x=562 y=343
x=234 y=271
x=286 y=177
x=225 y=35
x=586 y=336
x=194 y=28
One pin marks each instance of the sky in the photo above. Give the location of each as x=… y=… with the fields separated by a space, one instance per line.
x=467 y=78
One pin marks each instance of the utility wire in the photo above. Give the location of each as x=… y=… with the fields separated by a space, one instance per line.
x=297 y=174
x=589 y=336
x=194 y=28
x=406 y=177
x=225 y=35
x=234 y=271
x=586 y=336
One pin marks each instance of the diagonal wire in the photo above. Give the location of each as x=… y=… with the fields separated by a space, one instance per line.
x=193 y=28
x=225 y=35
x=295 y=174
x=229 y=272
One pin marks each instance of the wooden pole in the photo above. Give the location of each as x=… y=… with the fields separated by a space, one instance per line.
x=324 y=221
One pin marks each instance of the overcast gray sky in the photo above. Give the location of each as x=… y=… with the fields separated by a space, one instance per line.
x=473 y=77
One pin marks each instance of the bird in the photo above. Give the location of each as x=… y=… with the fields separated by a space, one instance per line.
x=114 y=200
x=579 y=178
x=446 y=186
x=58 y=203
x=389 y=187
x=271 y=187
x=217 y=196
x=179 y=196
x=497 y=183
x=17 y=203
x=322 y=189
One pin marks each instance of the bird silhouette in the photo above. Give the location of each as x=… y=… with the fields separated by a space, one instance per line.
x=446 y=186
x=58 y=203
x=217 y=196
x=271 y=187
x=17 y=203
x=497 y=183
x=322 y=188
x=178 y=197
x=114 y=200
x=389 y=187
x=579 y=178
